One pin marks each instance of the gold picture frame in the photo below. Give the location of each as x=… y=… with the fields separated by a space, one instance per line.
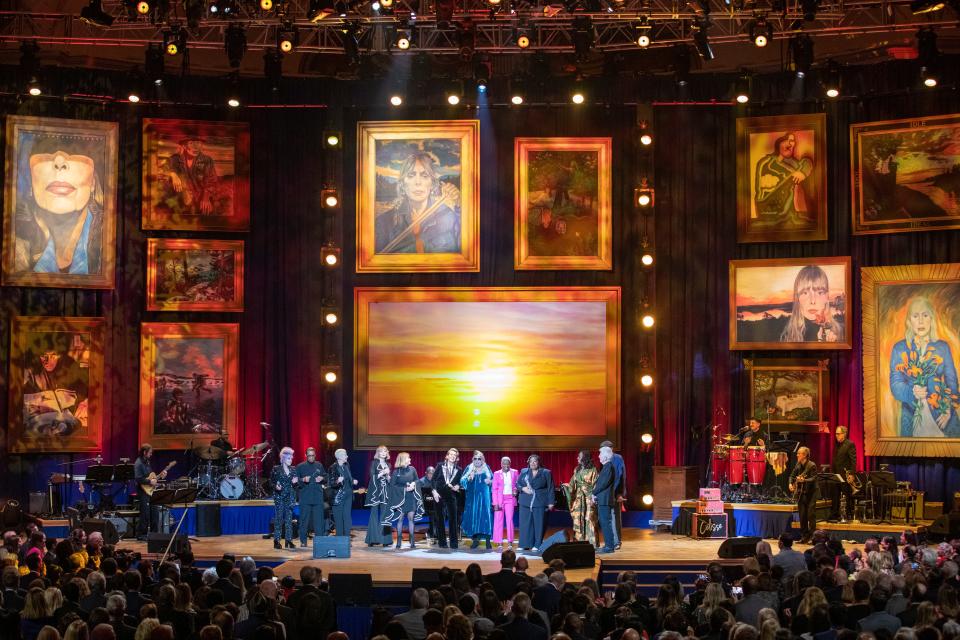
x=194 y=275
x=793 y=392
x=430 y=220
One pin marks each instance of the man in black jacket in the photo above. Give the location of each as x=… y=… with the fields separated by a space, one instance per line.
x=803 y=484
x=605 y=498
x=231 y=592
x=312 y=475
x=314 y=610
x=520 y=628
x=506 y=580
x=844 y=464
x=446 y=488
x=13 y=595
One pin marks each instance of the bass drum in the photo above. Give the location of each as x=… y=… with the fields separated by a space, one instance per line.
x=231 y=487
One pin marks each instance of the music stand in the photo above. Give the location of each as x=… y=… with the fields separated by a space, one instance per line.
x=100 y=474
x=123 y=473
x=880 y=481
x=180 y=496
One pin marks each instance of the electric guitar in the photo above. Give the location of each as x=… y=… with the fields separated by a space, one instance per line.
x=147 y=487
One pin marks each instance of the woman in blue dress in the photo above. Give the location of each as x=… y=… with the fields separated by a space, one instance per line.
x=404 y=497
x=477 y=512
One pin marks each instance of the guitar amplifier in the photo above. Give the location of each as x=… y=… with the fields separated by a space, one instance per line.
x=709 y=526
x=331 y=547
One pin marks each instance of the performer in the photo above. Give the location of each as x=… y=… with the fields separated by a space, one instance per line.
x=312 y=477
x=605 y=498
x=754 y=434
x=283 y=477
x=404 y=498
x=429 y=504
x=578 y=492
x=536 y=497
x=620 y=469
x=146 y=521
x=223 y=442
x=504 y=502
x=845 y=465
x=446 y=488
x=804 y=486
x=342 y=482
x=477 y=521
x=377 y=498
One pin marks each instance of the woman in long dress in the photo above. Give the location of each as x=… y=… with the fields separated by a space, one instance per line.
x=477 y=516
x=404 y=497
x=377 y=498
x=536 y=498
x=579 y=493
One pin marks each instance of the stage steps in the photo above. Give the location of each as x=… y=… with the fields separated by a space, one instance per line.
x=652 y=573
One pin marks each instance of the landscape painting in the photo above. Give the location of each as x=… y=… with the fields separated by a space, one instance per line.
x=789 y=394
x=905 y=175
x=194 y=275
x=562 y=216
x=791 y=303
x=188 y=382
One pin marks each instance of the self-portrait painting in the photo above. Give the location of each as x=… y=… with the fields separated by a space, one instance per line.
x=188 y=382
x=194 y=275
x=782 y=178
x=905 y=175
x=418 y=196
x=562 y=217
x=60 y=203
x=792 y=303
x=56 y=377
x=911 y=351
x=196 y=175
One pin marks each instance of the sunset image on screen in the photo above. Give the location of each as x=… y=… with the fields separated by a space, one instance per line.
x=488 y=367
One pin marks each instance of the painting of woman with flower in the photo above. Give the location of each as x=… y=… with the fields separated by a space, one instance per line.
x=923 y=377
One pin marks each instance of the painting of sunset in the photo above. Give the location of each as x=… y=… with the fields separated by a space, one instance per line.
x=487 y=363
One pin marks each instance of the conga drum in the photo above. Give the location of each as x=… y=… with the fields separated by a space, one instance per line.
x=738 y=461
x=756 y=464
x=721 y=463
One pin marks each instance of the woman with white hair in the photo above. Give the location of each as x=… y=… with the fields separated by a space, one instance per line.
x=342 y=482
x=283 y=477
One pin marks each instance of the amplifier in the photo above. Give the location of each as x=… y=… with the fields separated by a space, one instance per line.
x=709 y=526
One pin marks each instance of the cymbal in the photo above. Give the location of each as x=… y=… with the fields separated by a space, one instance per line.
x=209 y=453
x=729 y=437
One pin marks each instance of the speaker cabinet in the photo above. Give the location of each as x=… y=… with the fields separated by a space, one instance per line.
x=575 y=554
x=559 y=537
x=738 y=547
x=673 y=483
x=208 y=519
x=157 y=543
x=426 y=578
x=351 y=589
x=331 y=546
x=106 y=527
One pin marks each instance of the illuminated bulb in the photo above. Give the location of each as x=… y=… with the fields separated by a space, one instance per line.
x=643 y=200
x=143 y=7
x=646 y=139
x=643 y=41
x=646 y=259
x=403 y=43
x=833 y=92
x=331 y=200
x=266 y=5
x=35 y=90
x=743 y=98
x=928 y=82
x=330 y=376
x=172 y=49
x=396 y=100
x=331 y=436
x=333 y=140
x=331 y=259
x=646 y=380
x=760 y=40
x=647 y=499
x=134 y=98
x=518 y=99
x=453 y=99
x=286 y=45
x=577 y=98
x=648 y=321
x=523 y=41
x=233 y=102
x=331 y=318
x=646 y=438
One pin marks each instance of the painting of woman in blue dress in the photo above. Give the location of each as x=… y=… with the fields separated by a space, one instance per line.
x=477 y=512
x=923 y=377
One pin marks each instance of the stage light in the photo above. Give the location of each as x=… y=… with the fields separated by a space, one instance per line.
x=926 y=6
x=175 y=41
x=396 y=100
x=330 y=374
x=273 y=68
x=800 y=51
x=403 y=39
x=330 y=255
x=643 y=195
x=742 y=89
x=319 y=9
x=288 y=37
x=331 y=434
x=94 y=14
x=329 y=198
x=481 y=75
x=647 y=500
x=681 y=63
x=646 y=380
x=454 y=92
x=761 y=32
x=646 y=259
x=831 y=81
x=929 y=57
x=646 y=136
x=30 y=67
x=701 y=39
x=143 y=7
x=582 y=37
x=577 y=94
x=386 y=4
x=330 y=315
x=523 y=39
x=33 y=87
x=929 y=77
x=332 y=139
x=351 y=43
x=647 y=321
x=235 y=44
x=266 y=5
x=233 y=101
x=453 y=99
x=646 y=438
x=153 y=63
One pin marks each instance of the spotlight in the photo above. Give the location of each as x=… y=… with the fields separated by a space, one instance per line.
x=929 y=56
x=523 y=37
x=330 y=255
x=331 y=434
x=701 y=39
x=577 y=94
x=133 y=87
x=443 y=11
x=319 y=9
x=517 y=90
x=193 y=11
x=643 y=195
x=34 y=89
x=926 y=6
x=647 y=321
x=153 y=63
x=30 y=67
x=831 y=81
x=333 y=139
x=761 y=32
x=175 y=41
x=646 y=438
x=233 y=101
x=582 y=37
x=396 y=100
x=94 y=14
x=329 y=198
x=453 y=99
x=403 y=39
x=642 y=33
x=929 y=77
x=646 y=380
x=142 y=7
x=800 y=51
x=681 y=63
x=742 y=89
x=453 y=93
x=330 y=374
x=235 y=44
x=646 y=136
x=647 y=500
x=288 y=37
x=266 y=5
x=646 y=259
x=273 y=68
x=467 y=38
x=351 y=43
x=386 y=4
x=330 y=315
x=481 y=75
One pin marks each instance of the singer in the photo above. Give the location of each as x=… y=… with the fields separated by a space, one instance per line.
x=754 y=434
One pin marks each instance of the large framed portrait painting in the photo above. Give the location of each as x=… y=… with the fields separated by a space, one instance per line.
x=562 y=217
x=418 y=196
x=196 y=175
x=56 y=380
x=60 y=203
x=911 y=346
x=782 y=178
x=790 y=303
x=905 y=175
x=189 y=380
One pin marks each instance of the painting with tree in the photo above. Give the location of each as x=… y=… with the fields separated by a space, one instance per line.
x=789 y=394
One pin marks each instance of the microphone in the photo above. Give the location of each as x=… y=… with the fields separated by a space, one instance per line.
x=745 y=429
x=265 y=424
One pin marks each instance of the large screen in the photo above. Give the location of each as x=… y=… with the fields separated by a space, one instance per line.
x=487 y=367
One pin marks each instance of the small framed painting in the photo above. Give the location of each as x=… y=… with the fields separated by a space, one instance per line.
x=194 y=275
x=789 y=394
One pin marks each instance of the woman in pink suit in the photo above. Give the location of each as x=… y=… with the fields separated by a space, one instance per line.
x=504 y=502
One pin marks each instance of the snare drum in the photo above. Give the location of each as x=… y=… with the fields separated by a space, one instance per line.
x=721 y=463
x=231 y=487
x=738 y=460
x=236 y=467
x=756 y=464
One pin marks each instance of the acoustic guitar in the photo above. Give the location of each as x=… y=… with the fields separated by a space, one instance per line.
x=149 y=488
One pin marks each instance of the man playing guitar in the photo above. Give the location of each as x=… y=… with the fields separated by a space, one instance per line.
x=146 y=482
x=803 y=484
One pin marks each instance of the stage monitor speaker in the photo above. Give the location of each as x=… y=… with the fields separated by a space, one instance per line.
x=351 y=589
x=426 y=578
x=738 y=547
x=576 y=554
x=208 y=519
x=559 y=537
x=157 y=543
x=331 y=547
x=107 y=528
x=946 y=527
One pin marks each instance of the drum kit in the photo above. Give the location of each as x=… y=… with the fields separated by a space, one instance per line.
x=221 y=476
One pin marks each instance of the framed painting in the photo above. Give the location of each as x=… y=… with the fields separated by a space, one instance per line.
x=790 y=303
x=562 y=211
x=418 y=197
x=60 y=203
x=194 y=275
x=196 y=175
x=789 y=394
x=782 y=178
x=911 y=342
x=493 y=367
x=189 y=381
x=56 y=384
x=905 y=175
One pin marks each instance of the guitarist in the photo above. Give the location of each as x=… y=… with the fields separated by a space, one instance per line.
x=141 y=475
x=804 y=487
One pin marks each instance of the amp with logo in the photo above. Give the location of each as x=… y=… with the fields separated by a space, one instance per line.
x=709 y=525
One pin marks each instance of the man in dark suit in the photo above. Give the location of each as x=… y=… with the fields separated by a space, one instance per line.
x=804 y=487
x=519 y=628
x=605 y=498
x=505 y=581
x=845 y=465
x=231 y=592
x=547 y=597
x=133 y=582
x=313 y=476
x=13 y=596
x=446 y=489
x=314 y=610
x=32 y=563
